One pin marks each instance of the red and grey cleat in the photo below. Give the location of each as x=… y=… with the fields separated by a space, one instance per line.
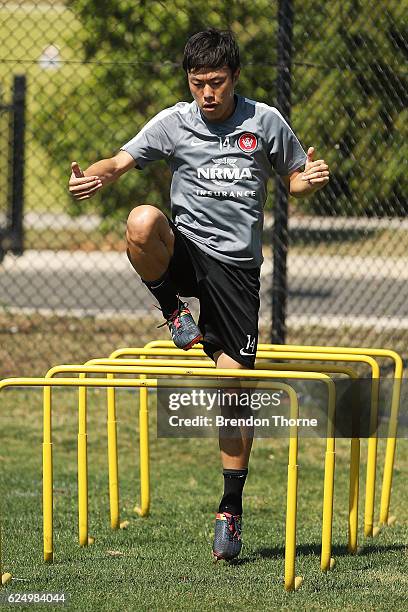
x=227 y=538
x=183 y=329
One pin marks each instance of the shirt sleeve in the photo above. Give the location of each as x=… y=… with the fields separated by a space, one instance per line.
x=285 y=152
x=154 y=140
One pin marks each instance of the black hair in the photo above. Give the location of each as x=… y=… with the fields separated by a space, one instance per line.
x=211 y=48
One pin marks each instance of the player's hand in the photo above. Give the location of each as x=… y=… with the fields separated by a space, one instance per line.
x=82 y=187
x=316 y=173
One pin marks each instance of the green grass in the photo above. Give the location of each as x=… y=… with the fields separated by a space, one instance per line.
x=164 y=562
x=30 y=345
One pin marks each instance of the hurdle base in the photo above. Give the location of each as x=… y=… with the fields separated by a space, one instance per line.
x=5 y=578
x=297 y=583
x=140 y=511
x=48 y=557
x=390 y=521
x=326 y=567
x=355 y=551
x=91 y=540
x=124 y=524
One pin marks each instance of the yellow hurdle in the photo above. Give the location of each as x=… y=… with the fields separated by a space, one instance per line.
x=6 y=577
x=325 y=353
x=292 y=582
x=384 y=519
x=355 y=443
x=47 y=438
x=326 y=561
x=144 y=507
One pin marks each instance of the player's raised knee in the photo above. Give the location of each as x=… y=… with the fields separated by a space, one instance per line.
x=143 y=221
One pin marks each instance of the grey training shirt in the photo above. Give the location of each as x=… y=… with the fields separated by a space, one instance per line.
x=220 y=172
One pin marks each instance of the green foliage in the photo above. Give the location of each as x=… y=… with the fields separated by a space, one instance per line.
x=351 y=100
x=138 y=48
x=348 y=91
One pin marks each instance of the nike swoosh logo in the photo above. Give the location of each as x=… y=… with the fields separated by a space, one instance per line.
x=242 y=352
x=197 y=143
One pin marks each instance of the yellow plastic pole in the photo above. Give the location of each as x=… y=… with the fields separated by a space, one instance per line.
x=113 y=457
x=292 y=582
x=6 y=576
x=47 y=476
x=185 y=370
x=354 y=477
x=143 y=509
x=326 y=561
x=82 y=468
x=385 y=518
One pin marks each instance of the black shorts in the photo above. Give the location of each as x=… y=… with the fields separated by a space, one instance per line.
x=228 y=295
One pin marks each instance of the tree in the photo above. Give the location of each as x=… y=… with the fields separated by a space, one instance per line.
x=349 y=92
x=349 y=77
x=137 y=50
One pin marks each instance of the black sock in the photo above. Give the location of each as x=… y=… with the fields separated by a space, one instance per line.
x=234 y=481
x=165 y=293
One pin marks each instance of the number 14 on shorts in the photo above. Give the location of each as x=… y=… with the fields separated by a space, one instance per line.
x=249 y=348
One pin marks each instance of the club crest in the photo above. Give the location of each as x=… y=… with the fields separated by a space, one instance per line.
x=247 y=142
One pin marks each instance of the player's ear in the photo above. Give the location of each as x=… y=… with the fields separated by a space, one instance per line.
x=235 y=76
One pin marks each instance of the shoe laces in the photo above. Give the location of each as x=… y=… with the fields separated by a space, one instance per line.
x=175 y=316
x=233 y=526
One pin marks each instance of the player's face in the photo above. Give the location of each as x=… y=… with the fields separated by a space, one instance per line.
x=213 y=90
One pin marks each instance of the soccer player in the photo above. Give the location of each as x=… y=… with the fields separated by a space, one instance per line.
x=221 y=149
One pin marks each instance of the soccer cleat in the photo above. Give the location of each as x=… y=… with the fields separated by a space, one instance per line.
x=183 y=330
x=227 y=538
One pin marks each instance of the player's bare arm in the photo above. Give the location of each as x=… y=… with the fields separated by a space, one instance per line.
x=85 y=184
x=314 y=177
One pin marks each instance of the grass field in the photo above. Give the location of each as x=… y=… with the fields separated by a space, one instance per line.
x=164 y=562
x=30 y=345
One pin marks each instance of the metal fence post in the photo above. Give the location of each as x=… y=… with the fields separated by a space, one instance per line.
x=280 y=228
x=18 y=163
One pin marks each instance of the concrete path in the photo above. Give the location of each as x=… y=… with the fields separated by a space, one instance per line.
x=359 y=291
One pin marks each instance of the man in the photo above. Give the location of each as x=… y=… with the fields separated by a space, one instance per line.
x=221 y=149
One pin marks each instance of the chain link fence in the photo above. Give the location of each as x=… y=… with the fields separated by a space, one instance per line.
x=98 y=70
